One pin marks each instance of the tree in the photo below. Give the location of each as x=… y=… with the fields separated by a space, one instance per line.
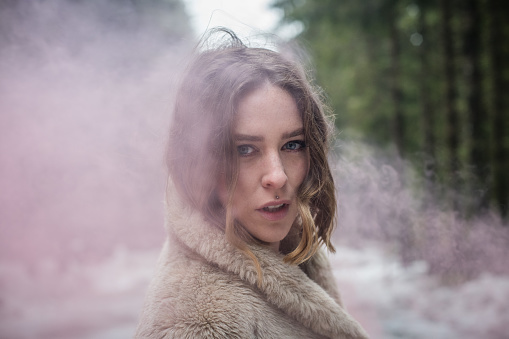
x=499 y=58
x=451 y=112
x=390 y=64
x=478 y=122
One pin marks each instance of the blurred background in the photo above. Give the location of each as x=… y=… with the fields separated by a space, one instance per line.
x=421 y=157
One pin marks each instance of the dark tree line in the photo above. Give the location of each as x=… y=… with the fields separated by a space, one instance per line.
x=426 y=78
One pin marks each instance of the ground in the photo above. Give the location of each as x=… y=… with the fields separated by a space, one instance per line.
x=103 y=300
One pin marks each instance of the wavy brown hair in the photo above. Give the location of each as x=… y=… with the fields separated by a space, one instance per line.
x=201 y=149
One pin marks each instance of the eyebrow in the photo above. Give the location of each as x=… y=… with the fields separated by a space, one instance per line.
x=297 y=132
x=246 y=137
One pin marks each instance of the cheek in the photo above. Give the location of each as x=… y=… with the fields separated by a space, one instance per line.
x=249 y=176
x=296 y=174
x=300 y=169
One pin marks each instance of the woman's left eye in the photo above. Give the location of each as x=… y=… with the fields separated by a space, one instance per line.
x=245 y=150
x=295 y=145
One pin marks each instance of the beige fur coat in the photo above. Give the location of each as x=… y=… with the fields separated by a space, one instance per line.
x=206 y=288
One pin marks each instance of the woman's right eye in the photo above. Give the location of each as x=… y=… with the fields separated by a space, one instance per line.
x=245 y=150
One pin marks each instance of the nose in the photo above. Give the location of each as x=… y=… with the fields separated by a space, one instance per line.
x=274 y=175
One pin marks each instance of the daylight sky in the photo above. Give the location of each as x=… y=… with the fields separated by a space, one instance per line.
x=240 y=16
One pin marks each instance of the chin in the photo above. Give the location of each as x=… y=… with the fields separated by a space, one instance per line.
x=276 y=236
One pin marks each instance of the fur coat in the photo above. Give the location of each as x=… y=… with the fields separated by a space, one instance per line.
x=204 y=287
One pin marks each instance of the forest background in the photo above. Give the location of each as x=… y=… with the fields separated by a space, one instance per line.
x=426 y=80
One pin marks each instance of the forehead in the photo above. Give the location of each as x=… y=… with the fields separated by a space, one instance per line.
x=265 y=110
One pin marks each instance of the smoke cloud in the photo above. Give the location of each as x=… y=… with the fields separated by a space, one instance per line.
x=85 y=94
x=384 y=200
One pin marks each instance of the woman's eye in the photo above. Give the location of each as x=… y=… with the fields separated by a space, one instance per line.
x=245 y=150
x=294 y=145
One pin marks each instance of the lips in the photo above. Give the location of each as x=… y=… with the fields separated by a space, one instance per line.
x=275 y=210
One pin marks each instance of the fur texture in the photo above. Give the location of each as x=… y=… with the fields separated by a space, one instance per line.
x=206 y=288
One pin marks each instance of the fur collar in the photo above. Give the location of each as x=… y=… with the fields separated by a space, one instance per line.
x=285 y=286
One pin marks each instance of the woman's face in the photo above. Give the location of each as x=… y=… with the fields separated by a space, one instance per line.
x=273 y=162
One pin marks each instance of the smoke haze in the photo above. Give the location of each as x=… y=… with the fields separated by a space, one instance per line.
x=403 y=211
x=85 y=91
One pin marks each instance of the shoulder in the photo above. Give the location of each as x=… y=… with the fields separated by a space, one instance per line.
x=319 y=270
x=191 y=298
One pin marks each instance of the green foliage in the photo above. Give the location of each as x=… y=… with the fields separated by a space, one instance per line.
x=384 y=66
x=344 y=56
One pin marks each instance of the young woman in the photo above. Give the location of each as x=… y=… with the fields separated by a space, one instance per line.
x=250 y=202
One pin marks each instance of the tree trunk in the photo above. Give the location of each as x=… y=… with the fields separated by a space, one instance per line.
x=398 y=126
x=451 y=113
x=498 y=10
x=478 y=117
x=427 y=113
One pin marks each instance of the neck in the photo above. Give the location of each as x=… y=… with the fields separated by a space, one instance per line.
x=274 y=246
